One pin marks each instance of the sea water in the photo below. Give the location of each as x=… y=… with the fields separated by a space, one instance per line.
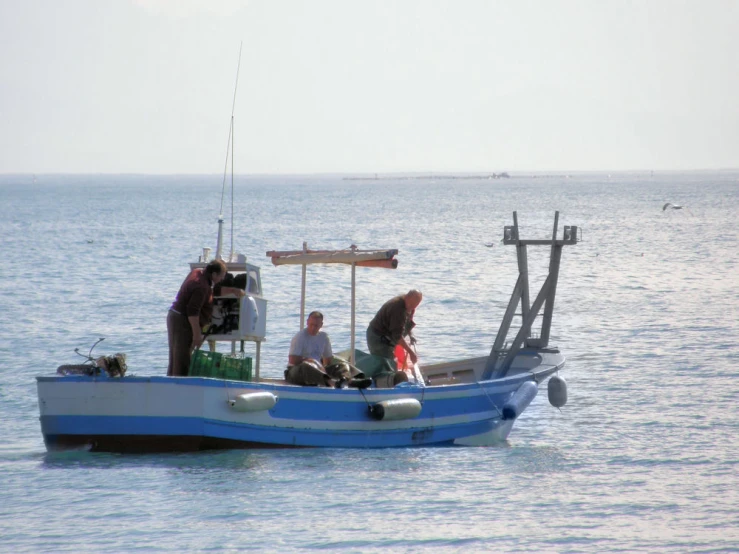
x=643 y=458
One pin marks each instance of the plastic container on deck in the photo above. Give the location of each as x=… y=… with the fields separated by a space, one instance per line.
x=235 y=368
x=205 y=363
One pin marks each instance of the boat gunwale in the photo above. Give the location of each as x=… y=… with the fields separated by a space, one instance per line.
x=288 y=390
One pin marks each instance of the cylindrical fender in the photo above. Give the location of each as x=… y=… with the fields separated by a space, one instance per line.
x=520 y=400
x=399 y=408
x=557 y=390
x=254 y=401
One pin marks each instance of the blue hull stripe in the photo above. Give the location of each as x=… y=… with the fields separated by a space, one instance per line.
x=84 y=426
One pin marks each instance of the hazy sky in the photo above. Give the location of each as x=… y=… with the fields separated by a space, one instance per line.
x=350 y=86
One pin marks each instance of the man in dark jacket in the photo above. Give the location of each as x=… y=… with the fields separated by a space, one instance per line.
x=391 y=324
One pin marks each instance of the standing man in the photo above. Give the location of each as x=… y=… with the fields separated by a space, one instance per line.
x=190 y=311
x=391 y=323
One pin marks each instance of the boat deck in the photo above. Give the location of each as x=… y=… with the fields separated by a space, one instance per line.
x=539 y=362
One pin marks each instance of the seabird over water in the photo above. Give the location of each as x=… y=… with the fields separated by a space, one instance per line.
x=670 y=205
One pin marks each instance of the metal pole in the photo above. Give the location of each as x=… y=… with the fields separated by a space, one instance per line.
x=302 y=291
x=256 y=362
x=219 y=241
x=554 y=258
x=523 y=268
x=354 y=302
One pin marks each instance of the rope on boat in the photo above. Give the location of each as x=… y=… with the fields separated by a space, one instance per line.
x=226 y=386
x=369 y=406
x=500 y=414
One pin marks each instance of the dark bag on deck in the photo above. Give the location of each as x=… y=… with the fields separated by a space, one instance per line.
x=307 y=373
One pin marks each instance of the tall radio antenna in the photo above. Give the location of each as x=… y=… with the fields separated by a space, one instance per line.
x=229 y=149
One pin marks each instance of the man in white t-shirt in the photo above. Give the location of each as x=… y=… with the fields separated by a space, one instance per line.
x=311 y=343
x=310 y=357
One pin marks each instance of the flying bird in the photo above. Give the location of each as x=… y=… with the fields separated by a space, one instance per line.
x=670 y=205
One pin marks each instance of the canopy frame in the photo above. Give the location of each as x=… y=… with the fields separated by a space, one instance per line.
x=351 y=256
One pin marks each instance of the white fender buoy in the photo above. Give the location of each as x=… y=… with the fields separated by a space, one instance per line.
x=254 y=401
x=520 y=400
x=399 y=408
x=557 y=390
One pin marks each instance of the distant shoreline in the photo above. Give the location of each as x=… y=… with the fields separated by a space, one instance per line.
x=503 y=175
x=40 y=178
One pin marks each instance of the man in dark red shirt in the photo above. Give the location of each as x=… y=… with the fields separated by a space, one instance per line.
x=190 y=311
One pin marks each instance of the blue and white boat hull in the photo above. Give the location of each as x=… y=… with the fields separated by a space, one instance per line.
x=133 y=413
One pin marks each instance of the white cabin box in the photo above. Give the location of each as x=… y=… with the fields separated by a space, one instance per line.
x=237 y=319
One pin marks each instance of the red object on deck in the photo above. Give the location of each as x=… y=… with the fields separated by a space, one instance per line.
x=401 y=357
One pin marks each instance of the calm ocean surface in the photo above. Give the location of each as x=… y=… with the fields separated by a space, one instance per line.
x=644 y=457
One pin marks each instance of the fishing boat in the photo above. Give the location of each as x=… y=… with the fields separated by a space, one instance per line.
x=225 y=402
x=467 y=402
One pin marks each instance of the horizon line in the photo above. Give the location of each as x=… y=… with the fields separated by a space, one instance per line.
x=443 y=173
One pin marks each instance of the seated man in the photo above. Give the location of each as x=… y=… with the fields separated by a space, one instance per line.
x=310 y=356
